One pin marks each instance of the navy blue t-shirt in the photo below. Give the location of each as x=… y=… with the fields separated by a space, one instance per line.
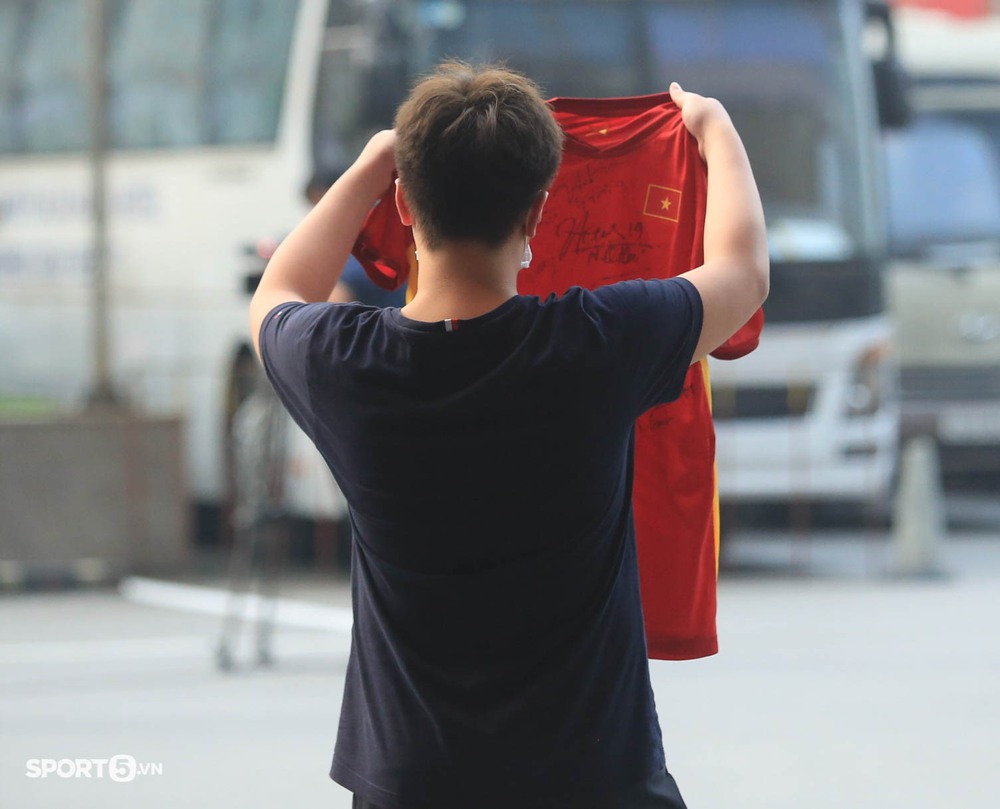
x=498 y=654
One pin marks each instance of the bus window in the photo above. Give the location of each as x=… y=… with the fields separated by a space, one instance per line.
x=9 y=39
x=246 y=69
x=195 y=72
x=181 y=73
x=43 y=77
x=156 y=66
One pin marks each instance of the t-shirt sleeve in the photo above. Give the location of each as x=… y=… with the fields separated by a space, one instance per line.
x=652 y=329
x=287 y=337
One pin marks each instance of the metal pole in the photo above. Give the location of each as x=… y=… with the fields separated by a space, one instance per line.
x=101 y=392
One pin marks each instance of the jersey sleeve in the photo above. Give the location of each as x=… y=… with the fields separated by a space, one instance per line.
x=652 y=328
x=744 y=341
x=384 y=244
x=287 y=337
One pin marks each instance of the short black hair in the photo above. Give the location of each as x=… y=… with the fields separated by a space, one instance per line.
x=474 y=147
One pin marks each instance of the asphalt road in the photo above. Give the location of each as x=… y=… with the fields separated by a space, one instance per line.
x=836 y=686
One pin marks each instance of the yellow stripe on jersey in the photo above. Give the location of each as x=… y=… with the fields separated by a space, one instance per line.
x=715 y=467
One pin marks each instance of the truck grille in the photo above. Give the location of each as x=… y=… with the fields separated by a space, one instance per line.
x=761 y=402
x=934 y=384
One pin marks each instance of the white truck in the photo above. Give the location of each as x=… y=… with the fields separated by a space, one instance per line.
x=944 y=210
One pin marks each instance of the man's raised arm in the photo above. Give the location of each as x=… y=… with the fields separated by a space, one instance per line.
x=307 y=264
x=733 y=281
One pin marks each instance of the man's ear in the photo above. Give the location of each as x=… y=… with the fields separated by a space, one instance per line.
x=535 y=214
x=404 y=210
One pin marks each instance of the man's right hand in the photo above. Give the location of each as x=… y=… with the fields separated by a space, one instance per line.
x=307 y=264
x=378 y=160
x=733 y=281
x=700 y=114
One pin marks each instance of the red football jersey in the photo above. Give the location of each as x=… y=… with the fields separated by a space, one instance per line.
x=629 y=202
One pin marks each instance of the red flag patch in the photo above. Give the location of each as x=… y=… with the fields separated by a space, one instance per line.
x=663 y=203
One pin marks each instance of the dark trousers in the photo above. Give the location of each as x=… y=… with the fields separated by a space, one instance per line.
x=658 y=792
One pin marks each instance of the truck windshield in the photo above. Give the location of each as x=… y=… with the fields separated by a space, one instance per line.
x=943 y=190
x=778 y=66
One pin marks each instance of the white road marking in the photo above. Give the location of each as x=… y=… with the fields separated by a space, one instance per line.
x=212 y=601
x=187 y=598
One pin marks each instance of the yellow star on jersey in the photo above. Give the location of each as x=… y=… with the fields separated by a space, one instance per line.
x=663 y=202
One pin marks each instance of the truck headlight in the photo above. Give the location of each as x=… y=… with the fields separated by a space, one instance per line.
x=871 y=381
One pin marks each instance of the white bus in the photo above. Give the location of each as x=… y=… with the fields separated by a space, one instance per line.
x=220 y=109
x=211 y=105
